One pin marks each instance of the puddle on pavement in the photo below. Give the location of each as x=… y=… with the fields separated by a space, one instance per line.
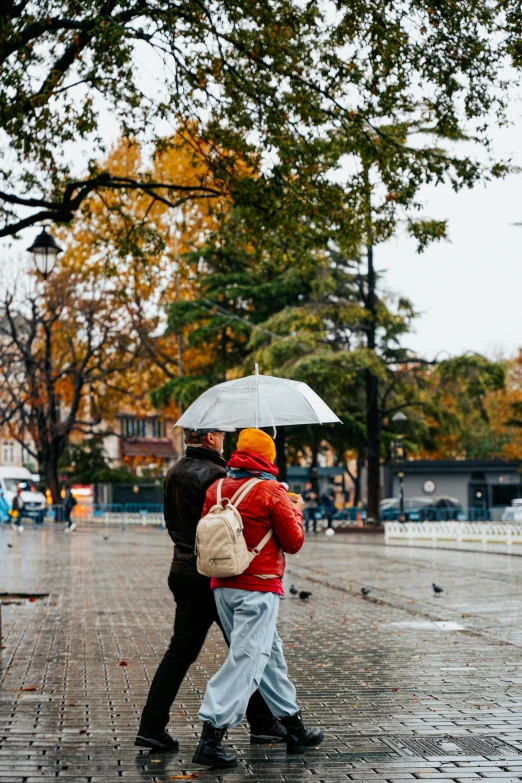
x=21 y=599
x=430 y=625
x=458 y=668
x=448 y=748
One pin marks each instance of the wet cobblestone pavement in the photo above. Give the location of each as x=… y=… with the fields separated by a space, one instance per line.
x=406 y=685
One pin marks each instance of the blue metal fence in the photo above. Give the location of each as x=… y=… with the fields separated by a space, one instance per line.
x=121 y=514
x=438 y=515
x=124 y=514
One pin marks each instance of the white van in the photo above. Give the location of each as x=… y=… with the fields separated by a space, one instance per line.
x=12 y=478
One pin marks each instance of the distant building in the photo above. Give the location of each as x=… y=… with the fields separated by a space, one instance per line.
x=143 y=444
x=476 y=484
x=15 y=454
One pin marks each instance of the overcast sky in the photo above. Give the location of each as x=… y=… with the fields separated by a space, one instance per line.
x=468 y=290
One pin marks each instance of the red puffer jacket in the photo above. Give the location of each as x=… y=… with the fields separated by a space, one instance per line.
x=266 y=506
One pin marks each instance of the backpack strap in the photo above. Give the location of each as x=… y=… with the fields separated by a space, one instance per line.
x=219 y=488
x=236 y=500
x=243 y=491
x=266 y=538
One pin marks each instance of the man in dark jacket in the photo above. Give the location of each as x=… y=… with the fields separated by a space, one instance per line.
x=68 y=504
x=184 y=494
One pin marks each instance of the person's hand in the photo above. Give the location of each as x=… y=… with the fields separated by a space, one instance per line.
x=298 y=501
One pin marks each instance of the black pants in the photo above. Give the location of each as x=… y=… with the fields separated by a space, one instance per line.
x=195 y=613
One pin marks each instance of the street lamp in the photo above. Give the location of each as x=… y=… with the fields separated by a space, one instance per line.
x=399 y=421
x=45 y=252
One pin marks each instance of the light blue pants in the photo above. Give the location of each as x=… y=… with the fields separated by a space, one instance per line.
x=255 y=660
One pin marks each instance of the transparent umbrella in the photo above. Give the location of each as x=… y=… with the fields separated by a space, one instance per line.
x=257 y=401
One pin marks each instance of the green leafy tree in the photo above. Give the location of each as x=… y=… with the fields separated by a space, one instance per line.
x=279 y=90
x=323 y=342
x=229 y=289
x=465 y=409
x=86 y=463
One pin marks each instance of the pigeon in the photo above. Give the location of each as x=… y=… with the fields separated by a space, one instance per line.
x=304 y=594
x=436 y=589
x=105 y=538
x=365 y=590
x=10 y=546
x=293 y=590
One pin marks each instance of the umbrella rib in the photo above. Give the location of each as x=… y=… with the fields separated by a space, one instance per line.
x=213 y=405
x=312 y=409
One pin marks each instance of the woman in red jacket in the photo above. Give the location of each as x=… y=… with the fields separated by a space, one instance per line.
x=248 y=605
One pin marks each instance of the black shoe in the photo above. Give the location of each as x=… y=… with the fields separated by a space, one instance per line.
x=260 y=735
x=298 y=736
x=210 y=752
x=156 y=740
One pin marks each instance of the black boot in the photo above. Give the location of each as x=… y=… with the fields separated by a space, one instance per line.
x=263 y=735
x=156 y=740
x=298 y=736
x=210 y=752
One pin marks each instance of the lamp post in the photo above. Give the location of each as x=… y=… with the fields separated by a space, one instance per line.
x=45 y=252
x=399 y=421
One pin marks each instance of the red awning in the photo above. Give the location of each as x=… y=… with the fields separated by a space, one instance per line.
x=148 y=447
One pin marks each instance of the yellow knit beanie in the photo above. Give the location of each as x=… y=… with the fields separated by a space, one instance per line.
x=258 y=442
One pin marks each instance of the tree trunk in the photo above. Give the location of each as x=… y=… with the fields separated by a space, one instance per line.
x=356 y=477
x=358 y=484
x=50 y=469
x=373 y=447
x=373 y=419
x=281 y=453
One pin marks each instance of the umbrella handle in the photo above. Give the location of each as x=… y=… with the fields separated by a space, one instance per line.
x=256 y=366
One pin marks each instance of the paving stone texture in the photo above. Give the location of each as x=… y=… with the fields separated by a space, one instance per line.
x=401 y=692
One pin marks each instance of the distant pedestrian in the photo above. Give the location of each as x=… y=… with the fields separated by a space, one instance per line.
x=327 y=499
x=310 y=509
x=69 y=502
x=17 y=508
x=4 y=508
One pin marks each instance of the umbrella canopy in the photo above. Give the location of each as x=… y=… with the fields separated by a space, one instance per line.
x=257 y=401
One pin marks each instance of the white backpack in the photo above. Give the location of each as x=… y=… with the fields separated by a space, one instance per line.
x=220 y=545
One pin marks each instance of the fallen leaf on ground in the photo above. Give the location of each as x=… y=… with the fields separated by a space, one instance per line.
x=83 y=731
x=184 y=777
x=32 y=599
x=123 y=663
x=29 y=688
